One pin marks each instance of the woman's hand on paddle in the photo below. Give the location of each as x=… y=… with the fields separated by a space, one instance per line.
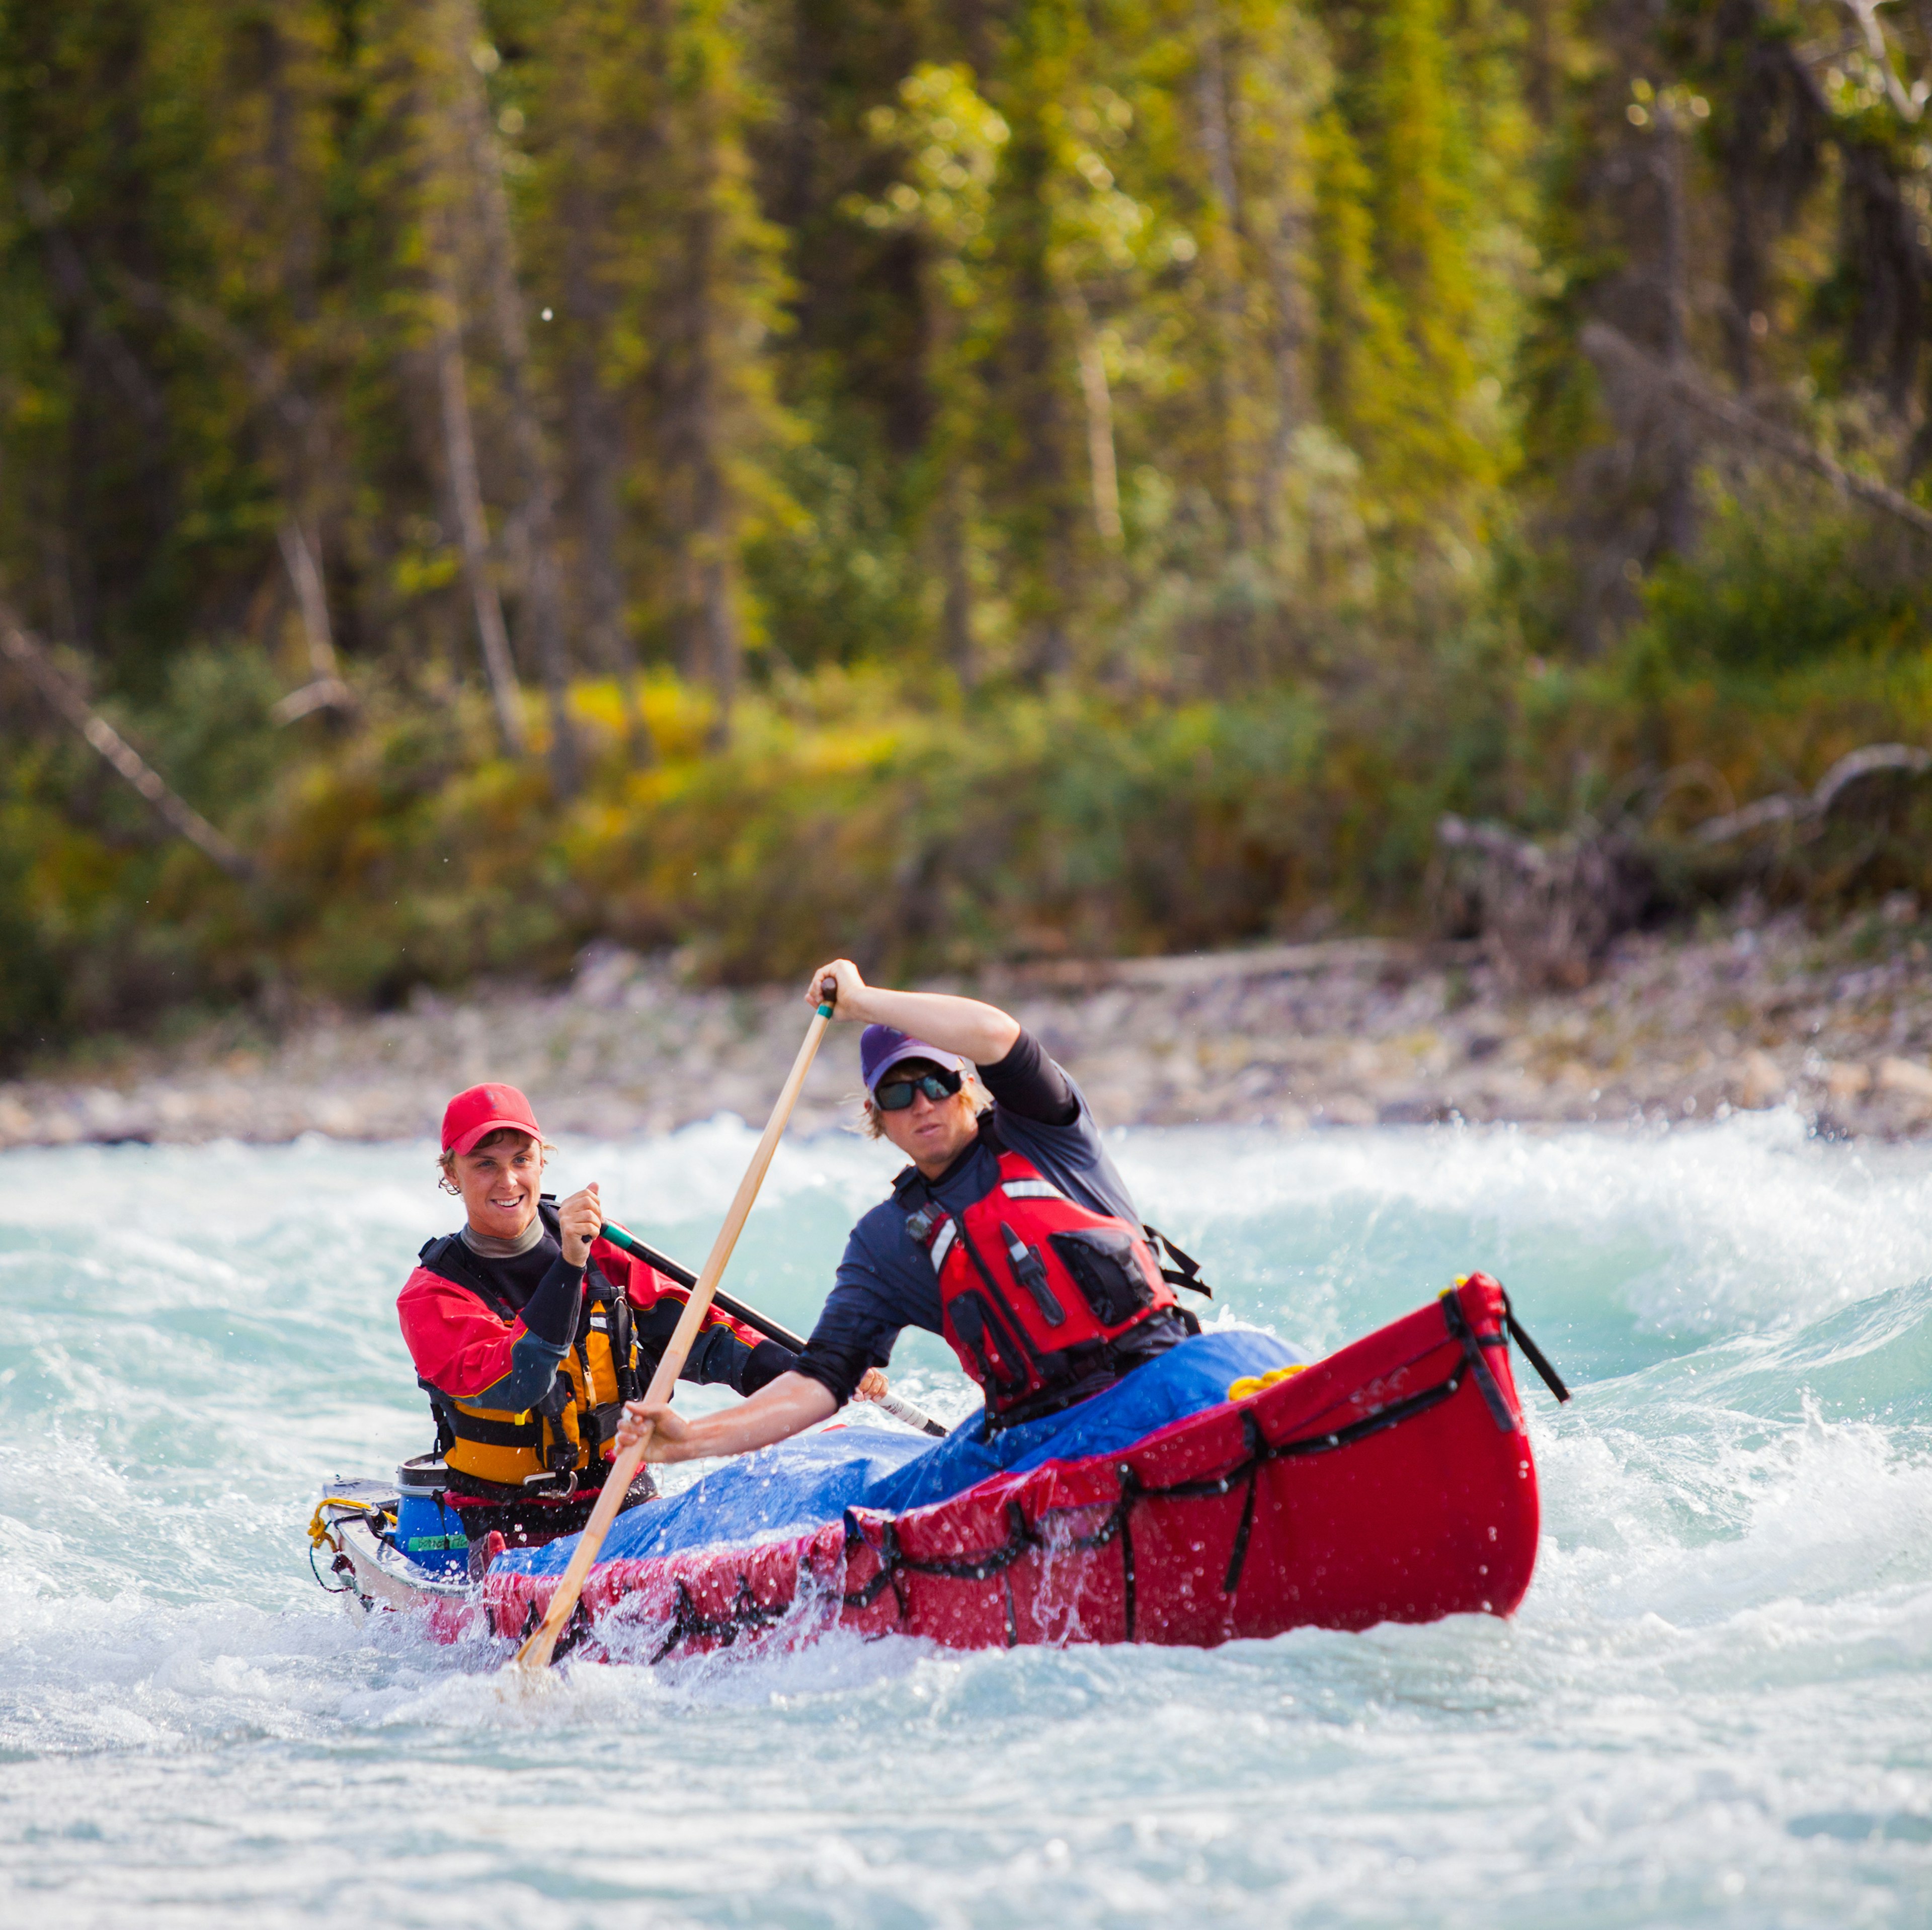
x=668 y=1430
x=871 y=1385
x=578 y=1219
x=849 y=1003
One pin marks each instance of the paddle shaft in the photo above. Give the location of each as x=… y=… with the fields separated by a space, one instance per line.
x=899 y=1409
x=535 y=1653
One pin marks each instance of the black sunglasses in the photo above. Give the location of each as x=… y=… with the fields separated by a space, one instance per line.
x=898 y=1096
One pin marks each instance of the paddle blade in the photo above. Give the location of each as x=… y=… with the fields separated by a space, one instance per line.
x=540 y=1646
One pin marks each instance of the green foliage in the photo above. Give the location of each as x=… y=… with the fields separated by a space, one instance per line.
x=982 y=482
x=1768 y=595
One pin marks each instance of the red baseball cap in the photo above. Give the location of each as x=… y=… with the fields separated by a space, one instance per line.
x=484 y=1110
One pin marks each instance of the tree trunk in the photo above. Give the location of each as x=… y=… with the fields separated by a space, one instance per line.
x=596 y=460
x=1223 y=269
x=597 y=457
x=956 y=614
x=543 y=589
x=717 y=645
x=1104 y=478
x=473 y=534
x=299 y=558
x=1676 y=510
x=325 y=689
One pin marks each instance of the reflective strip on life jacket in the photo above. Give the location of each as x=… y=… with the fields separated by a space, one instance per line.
x=1035 y=1289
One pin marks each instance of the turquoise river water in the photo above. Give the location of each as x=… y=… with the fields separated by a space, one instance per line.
x=1714 y=1708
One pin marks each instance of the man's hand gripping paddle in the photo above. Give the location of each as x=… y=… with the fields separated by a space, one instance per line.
x=535 y=1655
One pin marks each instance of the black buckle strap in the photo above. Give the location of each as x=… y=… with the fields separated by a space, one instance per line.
x=1533 y=1353
x=1030 y=1270
x=451 y=1419
x=1504 y=1415
x=1185 y=1271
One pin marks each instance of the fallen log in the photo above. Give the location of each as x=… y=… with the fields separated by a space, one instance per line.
x=1607 y=346
x=1548 y=913
x=22 y=648
x=1809 y=809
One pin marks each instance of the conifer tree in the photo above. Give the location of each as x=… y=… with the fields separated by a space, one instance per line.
x=688 y=268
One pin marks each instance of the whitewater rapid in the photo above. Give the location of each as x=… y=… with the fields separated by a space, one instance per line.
x=1715 y=1707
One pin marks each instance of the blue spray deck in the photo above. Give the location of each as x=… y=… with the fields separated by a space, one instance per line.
x=815 y=1478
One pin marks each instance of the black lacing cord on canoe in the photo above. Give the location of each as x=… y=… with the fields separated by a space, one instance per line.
x=1023 y=1535
x=574 y=1632
x=746 y=1611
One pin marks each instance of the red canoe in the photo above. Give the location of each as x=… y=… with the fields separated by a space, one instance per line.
x=1391 y=1482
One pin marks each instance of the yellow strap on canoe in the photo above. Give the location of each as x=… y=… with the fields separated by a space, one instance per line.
x=320 y=1531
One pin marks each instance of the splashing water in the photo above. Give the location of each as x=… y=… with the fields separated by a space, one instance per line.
x=1714 y=1708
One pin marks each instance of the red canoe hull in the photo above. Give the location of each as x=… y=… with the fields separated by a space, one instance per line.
x=1391 y=1482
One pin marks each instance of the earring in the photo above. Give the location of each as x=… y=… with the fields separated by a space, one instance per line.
x=448 y=1185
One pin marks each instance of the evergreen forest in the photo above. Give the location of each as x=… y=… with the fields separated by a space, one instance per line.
x=944 y=480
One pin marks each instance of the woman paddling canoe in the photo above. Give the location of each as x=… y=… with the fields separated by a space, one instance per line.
x=1011 y=1234
x=527 y=1331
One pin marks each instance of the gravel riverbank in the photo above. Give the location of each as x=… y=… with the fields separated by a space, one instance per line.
x=1355 y=1032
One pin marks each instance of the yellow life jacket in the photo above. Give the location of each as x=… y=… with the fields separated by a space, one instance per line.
x=558 y=1445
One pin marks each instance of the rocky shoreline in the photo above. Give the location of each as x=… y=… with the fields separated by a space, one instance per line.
x=1749 y=1014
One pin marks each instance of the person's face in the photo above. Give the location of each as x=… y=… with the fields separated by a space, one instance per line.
x=930 y=1133
x=501 y=1179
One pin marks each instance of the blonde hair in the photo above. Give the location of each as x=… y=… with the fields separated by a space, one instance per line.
x=446 y=1162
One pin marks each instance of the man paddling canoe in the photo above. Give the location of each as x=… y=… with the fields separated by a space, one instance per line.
x=1011 y=1233
x=527 y=1331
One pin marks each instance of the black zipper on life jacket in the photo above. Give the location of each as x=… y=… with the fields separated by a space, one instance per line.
x=623 y=1335
x=561 y=1456
x=971 y=1317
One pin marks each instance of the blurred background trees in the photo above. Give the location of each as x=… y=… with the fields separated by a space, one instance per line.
x=963 y=478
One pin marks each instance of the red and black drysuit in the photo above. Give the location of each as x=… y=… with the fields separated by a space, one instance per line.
x=504 y=1347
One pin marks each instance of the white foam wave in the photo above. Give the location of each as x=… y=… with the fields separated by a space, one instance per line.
x=1711 y=1709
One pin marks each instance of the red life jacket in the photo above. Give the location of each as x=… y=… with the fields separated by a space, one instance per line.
x=1035 y=1290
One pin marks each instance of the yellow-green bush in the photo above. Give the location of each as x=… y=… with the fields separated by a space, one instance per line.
x=916 y=833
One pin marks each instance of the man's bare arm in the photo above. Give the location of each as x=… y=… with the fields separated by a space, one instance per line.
x=780 y=1409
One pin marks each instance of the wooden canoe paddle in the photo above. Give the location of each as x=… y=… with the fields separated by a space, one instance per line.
x=535 y=1655
x=894 y=1404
